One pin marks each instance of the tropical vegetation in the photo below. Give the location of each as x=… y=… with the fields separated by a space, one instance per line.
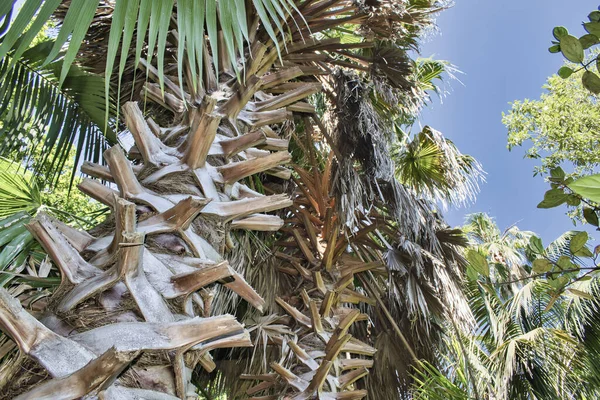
x=231 y=199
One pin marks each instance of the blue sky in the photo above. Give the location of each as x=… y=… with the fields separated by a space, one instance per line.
x=501 y=46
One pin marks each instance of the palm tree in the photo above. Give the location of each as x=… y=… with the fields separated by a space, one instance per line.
x=224 y=91
x=528 y=342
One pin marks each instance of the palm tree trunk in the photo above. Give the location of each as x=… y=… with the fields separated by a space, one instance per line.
x=134 y=315
x=140 y=280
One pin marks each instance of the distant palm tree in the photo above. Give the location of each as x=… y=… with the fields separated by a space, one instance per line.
x=528 y=342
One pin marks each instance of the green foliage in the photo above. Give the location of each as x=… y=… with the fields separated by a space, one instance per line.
x=584 y=192
x=562 y=126
x=530 y=339
x=431 y=384
x=18 y=193
x=433 y=166
x=478 y=262
x=24 y=266
x=150 y=18
x=26 y=191
x=36 y=111
x=22 y=195
x=553 y=198
x=573 y=49
x=587 y=187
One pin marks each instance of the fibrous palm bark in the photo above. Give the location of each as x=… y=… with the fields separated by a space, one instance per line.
x=319 y=355
x=154 y=285
x=133 y=316
x=346 y=316
x=139 y=280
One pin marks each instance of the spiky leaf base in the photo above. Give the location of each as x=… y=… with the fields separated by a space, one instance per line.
x=320 y=359
x=133 y=316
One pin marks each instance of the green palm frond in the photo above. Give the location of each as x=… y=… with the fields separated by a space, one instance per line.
x=428 y=70
x=433 y=384
x=434 y=167
x=17 y=192
x=36 y=110
x=224 y=22
x=16 y=244
x=21 y=198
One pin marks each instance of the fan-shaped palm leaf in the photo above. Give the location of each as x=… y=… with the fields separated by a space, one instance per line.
x=17 y=192
x=434 y=167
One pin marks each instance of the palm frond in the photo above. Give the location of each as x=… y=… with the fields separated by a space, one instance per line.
x=225 y=23
x=18 y=193
x=429 y=70
x=432 y=384
x=36 y=110
x=434 y=167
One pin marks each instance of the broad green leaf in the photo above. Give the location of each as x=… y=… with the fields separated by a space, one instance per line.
x=536 y=245
x=557 y=173
x=553 y=198
x=558 y=283
x=541 y=265
x=554 y=49
x=594 y=16
x=559 y=32
x=478 y=262
x=584 y=252
x=588 y=40
x=565 y=72
x=573 y=200
x=590 y=216
x=564 y=263
x=571 y=48
x=591 y=82
x=593 y=28
x=578 y=242
x=472 y=274
x=587 y=187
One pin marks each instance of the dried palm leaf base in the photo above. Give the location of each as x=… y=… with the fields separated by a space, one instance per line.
x=320 y=359
x=132 y=298
x=136 y=292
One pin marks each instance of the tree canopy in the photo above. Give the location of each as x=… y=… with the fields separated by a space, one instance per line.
x=560 y=128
